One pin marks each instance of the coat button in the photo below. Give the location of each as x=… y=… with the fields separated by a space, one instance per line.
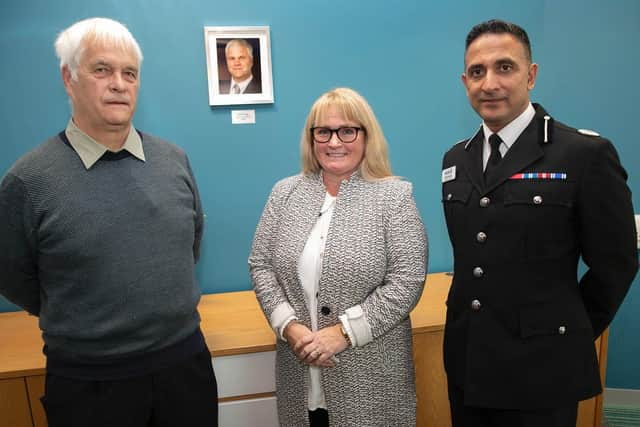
x=325 y=310
x=475 y=305
x=481 y=237
x=478 y=272
x=537 y=200
x=449 y=196
x=562 y=330
x=484 y=202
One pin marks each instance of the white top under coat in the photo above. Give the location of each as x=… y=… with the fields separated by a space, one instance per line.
x=309 y=271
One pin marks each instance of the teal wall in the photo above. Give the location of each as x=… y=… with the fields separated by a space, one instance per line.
x=405 y=57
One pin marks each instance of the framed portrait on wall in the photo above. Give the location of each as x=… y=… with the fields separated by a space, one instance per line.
x=238 y=65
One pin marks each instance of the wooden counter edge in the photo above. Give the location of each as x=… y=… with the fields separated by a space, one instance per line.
x=244 y=338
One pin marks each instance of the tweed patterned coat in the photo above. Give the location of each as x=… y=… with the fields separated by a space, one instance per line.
x=375 y=256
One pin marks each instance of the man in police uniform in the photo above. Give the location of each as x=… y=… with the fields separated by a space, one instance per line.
x=524 y=199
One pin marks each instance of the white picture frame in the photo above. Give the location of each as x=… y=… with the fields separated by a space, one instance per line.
x=260 y=90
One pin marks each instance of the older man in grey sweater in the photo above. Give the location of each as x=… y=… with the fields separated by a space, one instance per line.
x=100 y=229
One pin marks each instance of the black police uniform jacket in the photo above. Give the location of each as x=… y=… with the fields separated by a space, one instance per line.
x=520 y=326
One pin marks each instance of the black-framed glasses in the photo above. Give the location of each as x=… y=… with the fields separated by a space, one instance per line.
x=346 y=134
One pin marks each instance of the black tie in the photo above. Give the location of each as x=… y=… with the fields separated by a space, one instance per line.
x=494 y=157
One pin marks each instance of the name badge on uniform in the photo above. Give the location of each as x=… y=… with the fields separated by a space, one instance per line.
x=449 y=174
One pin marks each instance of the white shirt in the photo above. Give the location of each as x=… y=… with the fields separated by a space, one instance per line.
x=309 y=271
x=509 y=134
x=242 y=85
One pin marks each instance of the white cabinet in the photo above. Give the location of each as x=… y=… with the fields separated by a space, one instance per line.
x=246 y=389
x=249 y=413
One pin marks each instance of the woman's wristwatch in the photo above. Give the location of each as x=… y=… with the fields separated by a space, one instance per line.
x=345 y=335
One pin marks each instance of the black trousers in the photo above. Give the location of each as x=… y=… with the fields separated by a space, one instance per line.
x=183 y=395
x=470 y=416
x=319 y=418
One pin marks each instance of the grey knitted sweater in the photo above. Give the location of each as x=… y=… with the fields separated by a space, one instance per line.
x=105 y=257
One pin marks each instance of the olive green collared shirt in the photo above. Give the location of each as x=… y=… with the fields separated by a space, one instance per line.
x=90 y=151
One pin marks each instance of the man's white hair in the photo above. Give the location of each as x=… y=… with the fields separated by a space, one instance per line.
x=72 y=42
x=239 y=42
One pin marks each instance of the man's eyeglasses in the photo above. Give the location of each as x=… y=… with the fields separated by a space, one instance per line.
x=345 y=134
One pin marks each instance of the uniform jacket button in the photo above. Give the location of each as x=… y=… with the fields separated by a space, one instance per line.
x=481 y=237
x=449 y=196
x=478 y=272
x=484 y=202
x=325 y=310
x=562 y=330
x=475 y=305
x=537 y=200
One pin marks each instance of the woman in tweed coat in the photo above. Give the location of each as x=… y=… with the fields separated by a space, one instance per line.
x=338 y=262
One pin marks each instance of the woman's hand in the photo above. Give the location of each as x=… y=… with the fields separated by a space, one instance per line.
x=294 y=332
x=318 y=348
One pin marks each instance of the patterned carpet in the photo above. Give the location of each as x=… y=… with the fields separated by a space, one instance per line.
x=621 y=416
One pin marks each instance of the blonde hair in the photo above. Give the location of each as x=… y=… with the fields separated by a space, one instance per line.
x=353 y=107
x=72 y=42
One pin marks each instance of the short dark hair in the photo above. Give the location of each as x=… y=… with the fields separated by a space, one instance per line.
x=497 y=26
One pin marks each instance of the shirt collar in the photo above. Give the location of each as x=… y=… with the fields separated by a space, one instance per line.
x=243 y=84
x=90 y=151
x=510 y=133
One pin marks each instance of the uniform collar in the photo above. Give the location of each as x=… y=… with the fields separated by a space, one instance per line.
x=541 y=119
x=510 y=133
x=524 y=152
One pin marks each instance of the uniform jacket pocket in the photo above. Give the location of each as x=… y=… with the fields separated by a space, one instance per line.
x=539 y=193
x=456 y=192
x=553 y=319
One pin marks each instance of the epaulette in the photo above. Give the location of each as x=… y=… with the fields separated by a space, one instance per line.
x=587 y=132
